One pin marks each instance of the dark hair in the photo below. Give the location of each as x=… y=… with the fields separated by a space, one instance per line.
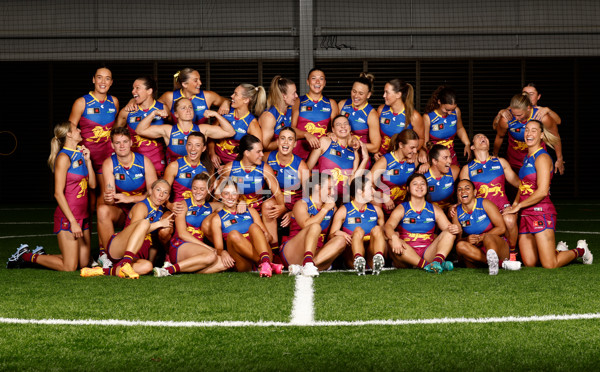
x=120 y=131
x=204 y=176
x=178 y=102
x=444 y=94
x=358 y=183
x=366 y=79
x=204 y=158
x=402 y=137
x=469 y=181
x=408 y=96
x=246 y=144
x=289 y=129
x=435 y=150
x=410 y=179
x=313 y=70
x=149 y=83
x=533 y=86
x=102 y=66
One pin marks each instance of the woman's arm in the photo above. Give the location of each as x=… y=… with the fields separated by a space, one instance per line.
x=501 y=130
x=267 y=124
x=543 y=168
x=374 y=132
x=462 y=134
x=223 y=130
x=61 y=166
x=315 y=154
x=77 y=111
x=304 y=219
x=336 y=225
x=163 y=131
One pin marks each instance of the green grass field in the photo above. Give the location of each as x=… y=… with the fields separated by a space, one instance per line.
x=208 y=302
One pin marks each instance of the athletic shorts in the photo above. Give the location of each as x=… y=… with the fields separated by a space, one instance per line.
x=281 y=253
x=537 y=223
x=63 y=224
x=143 y=253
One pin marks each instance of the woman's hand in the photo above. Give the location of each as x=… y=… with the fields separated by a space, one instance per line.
x=228 y=261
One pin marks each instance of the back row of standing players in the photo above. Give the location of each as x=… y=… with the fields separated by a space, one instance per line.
x=339 y=140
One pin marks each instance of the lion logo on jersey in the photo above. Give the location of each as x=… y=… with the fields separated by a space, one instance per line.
x=338 y=175
x=398 y=193
x=386 y=142
x=83 y=185
x=187 y=194
x=520 y=146
x=100 y=134
x=525 y=189
x=485 y=190
x=227 y=146
x=449 y=143
x=413 y=237
x=313 y=129
x=196 y=232
x=143 y=141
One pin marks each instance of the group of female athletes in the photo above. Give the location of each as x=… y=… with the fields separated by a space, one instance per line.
x=272 y=181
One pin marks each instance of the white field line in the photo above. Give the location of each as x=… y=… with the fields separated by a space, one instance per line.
x=28 y=223
x=579 y=220
x=303 y=310
x=32 y=236
x=396 y=322
x=578 y=232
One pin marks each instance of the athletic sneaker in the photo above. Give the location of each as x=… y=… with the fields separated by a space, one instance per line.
x=167 y=264
x=39 y=250
x=264 y=269
x=127 y=272
x=492 y=260
x=295 y=270
x=160 y=272
x=277 y=268
x=309 y=269
x=447 y=266
x=588 y=258
x=378 y=262
x=511 y=265
x=434 y=267
x=16 y=260
x=359 y=265
x=88 y=272
x=104 y=261
x=562 y=246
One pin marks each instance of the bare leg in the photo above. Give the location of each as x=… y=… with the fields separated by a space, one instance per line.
x=270 y=223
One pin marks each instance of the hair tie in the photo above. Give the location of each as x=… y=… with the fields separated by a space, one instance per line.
x=256 y=89
x=176 y=75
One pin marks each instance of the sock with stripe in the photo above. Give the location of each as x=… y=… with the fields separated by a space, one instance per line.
x=439 y=258
x=308 y=257
x=173 y=269
x=264 y=257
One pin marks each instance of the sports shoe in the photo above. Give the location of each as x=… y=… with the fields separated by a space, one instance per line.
x=295 y=270
x=359 y=265
x=16 y=260
x=588 y=258
x=562 y=246
x=447 y=266
x=309 y=269
x=378 y=262
x=277 y=268
x=127 y=272
x=264 y=269
x=38 y=250
x=511 y=265
x=492 y=260
x=160 y=272
x=434 y=267
x=167 y=264
x=88 y=272
x=104 y=261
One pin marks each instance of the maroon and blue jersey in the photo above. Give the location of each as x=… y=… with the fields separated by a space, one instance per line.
x=76 y=185
x=475 y=222
x=96 y=121
x=314 y=118
x=312 y=211
x=489 y=180
x=365 y=218
x=288 y=178
x=153 y=149
x=440 y=189
x=231 y=221
x=250 y=184
x=195 y=215
x=154 y=214
x=182 y=184
x=130 y=179
x=177 y=141
x=417 y=227
x=517 y=148
x=338 y=161
x=198 y=103
x=391 y=123
x=225 y=148
x=442 y=130
x=528 y=176
x=358 y=118
x=281 y=119
x=395 y=175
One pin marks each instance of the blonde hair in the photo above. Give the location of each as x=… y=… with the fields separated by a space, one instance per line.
x=258 y=98
x=548 y=138
x=58 y=141
x=520 y=101
x=182 y=76
x=279 y=86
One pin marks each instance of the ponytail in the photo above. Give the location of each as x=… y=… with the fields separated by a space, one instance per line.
x=58 y=141
x=444 y=94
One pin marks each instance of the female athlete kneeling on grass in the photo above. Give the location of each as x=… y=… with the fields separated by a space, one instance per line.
x=245 y=234
x=73 y=173
x=410 y=231
x=481 y=220
x=538 y=216
x=187 y=252
x=129 y=249
x=357 y=222
x=310 y=223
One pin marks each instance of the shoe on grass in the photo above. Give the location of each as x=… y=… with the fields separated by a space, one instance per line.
x=587 y=257
x=562 y=246
x=359 y=265
x=16 y=260
x=127 y=272
x=265 y=270
x=295 y=270
x=492 y=260
x=88 y=272
x=447 y=266
x=434 y=267
x=160 y=272
x=309 y=269
x=378 y=263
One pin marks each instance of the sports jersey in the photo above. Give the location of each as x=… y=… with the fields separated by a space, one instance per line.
x=96 y=122
x=288 y=178
x=231 y=221
x=225 y=148
x=182 y=184
x=177 y=141
x=281 y=119
x=154 y=214
x=198 y=103
x=358 y=119
x=129 y=179
x=417 y=228
x=153 y=149
x=338 y=161
x=528 y=176
x=442 y=130
x=395 y=175
x=440 y=189
x=314 y=118
x=76 y=185
x=489 y=180
x=312 y=211
x=517 y=148
x=391 y=123
x=195 y=215
x=366 y=219
x=249 y=183
x=475 y=222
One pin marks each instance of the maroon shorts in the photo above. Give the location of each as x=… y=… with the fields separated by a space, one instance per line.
x=537 y=223
x=63 y=224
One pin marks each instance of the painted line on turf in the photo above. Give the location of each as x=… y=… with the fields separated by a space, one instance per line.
x=28 y=223
x=209 y=324
x=303 y=312
x=579 y=220
x=32 y=236
x=579 y=232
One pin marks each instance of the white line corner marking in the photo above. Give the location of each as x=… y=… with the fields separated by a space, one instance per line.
x=303 y=309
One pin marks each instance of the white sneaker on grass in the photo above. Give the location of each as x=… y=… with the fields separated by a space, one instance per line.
x=562 y=246
x=587 y=257
x=309 y=269
x=104 y=261
x=359 y=265
x=160 y=272
x=294 y=270
x=511 y=265
x=378 y=263
x=492 y=260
